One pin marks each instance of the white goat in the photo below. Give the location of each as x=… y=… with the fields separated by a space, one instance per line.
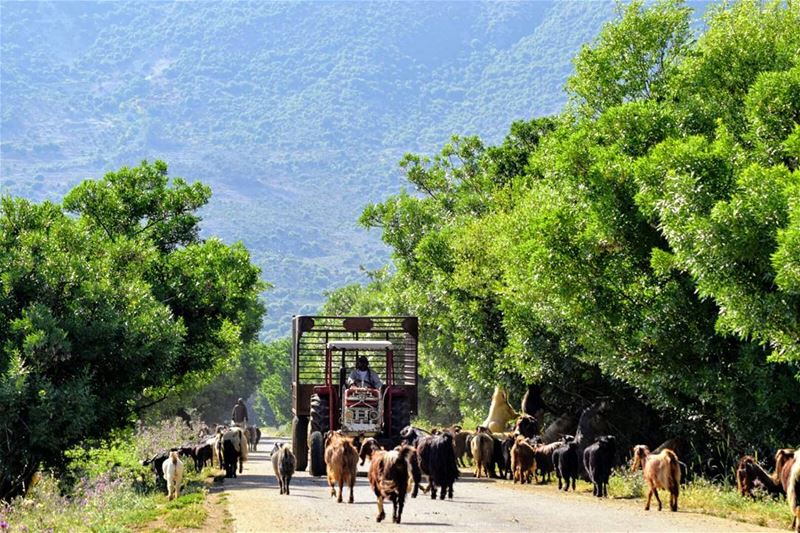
x=173 y=473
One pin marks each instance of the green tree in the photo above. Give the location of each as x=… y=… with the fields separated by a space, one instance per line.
x=275 y=386
x=643 y=248
x=633 y=58
x=105 y=313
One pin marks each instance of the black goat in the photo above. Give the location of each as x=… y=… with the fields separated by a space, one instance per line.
x=505 y=455
x=437 y=460
x=527 y=426
x=202 y=455
x=566 y=463
x=598 y=460
x=230 y=457
x=544 y=459
x=158 y=466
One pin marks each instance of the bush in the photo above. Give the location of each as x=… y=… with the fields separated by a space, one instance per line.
x=96 y=505
x=626 y=484
x=106 y=488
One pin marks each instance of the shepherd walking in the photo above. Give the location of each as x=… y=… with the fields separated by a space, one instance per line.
x=239 y=414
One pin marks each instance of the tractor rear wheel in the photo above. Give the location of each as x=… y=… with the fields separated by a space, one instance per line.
x=300 y=441
x=401 y=414
x=320 y=416
x=317 y=454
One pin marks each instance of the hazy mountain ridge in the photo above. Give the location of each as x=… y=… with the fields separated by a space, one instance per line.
x=294 y=113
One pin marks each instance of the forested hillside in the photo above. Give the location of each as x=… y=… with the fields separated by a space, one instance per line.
x=294 y=113
x=640 y=247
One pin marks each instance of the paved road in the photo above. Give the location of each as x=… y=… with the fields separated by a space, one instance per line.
x=478 y=505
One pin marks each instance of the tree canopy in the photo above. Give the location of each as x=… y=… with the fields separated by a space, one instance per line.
x=640 y=246
x=108 y=310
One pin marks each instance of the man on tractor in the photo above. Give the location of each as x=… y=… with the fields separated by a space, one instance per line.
x=363 y=376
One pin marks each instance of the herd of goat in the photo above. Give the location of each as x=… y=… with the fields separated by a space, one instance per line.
x=523 y=455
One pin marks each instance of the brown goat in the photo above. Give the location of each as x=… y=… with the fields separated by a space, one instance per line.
x=782 y=456
x=460 y=444
x=523 y=461
x=500 y=411
x=482 y=446
x=389 y=478
x=791 y=469
x=368 y=447
x=341 y=457
x=750 y=475
x=661 y=471
x=543 y=454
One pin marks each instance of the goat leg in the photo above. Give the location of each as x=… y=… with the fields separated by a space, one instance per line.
x=397 y=508
x=381 y=514
x=655 y=491
x=401 y=500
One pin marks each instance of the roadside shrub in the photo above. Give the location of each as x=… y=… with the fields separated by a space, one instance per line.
x=626 y=484
x=150 y=439
x=104 y=486
x=97 y=505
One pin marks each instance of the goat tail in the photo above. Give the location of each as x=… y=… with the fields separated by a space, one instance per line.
x=674 y=468
x=174 y=457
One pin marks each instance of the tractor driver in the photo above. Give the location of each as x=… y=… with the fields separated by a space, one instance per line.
x=363 y=376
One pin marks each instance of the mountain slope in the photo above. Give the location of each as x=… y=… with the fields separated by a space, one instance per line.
x=294 y=113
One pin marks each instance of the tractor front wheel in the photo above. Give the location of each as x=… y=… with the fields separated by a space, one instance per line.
x=317 y=454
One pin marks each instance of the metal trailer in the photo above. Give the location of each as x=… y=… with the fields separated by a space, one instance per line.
x=322 y=357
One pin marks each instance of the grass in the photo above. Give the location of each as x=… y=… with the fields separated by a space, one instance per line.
x=105 y=489
x=190 y=516
x=724 y=501
x=120 y=508
x=704 y=497
x=138 y=515
x=700 y=496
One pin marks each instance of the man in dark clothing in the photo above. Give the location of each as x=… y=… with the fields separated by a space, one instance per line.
x=239 y=414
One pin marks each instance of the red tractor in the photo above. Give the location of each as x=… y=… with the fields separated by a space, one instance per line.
x=325 y=350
